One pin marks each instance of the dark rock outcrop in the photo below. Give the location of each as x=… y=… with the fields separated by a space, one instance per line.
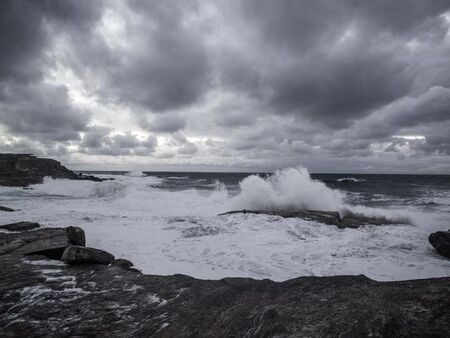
x=440 y=240
x=26 y=169
x=43 y=297
x=348 y=220
x=83 y=255
x=6 y=209
x=20 y=226
x=50 y=242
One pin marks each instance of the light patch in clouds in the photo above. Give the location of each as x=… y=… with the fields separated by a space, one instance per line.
x=410 y=137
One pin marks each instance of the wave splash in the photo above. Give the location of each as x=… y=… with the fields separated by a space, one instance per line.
x=291 y=188
x=351 y=179
x=135 y=174
x=76 y=189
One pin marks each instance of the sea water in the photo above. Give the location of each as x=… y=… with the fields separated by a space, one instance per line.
x=168 y=222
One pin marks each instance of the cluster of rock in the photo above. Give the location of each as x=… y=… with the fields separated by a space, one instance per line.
x=347 y=220
x=52 y=285
x=25 y=169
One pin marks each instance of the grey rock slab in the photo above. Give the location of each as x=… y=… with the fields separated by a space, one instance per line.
x=84 y=255
x=20 y=226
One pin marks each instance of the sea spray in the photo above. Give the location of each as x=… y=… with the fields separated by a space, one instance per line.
x=287 y=189
x=75 y=189
x=134 y=173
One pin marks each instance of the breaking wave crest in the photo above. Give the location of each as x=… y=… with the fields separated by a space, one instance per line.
x=135 y=174
x=287 y=189
x=351 y=179
x=77 y=189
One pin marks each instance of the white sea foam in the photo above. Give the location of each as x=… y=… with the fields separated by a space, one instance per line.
x=134 y=218
x=350 y=179
x=77 y=189
x=135 y=174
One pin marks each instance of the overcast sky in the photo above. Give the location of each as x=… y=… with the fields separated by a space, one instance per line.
x=337 y=86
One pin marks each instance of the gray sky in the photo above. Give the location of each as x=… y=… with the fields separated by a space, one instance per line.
x=337 y=86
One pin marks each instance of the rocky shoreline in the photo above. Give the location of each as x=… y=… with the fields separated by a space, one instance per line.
x=51 y=284
x=43 y=296
x=21 y=170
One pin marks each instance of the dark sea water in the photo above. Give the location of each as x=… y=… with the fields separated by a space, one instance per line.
x=374 y=190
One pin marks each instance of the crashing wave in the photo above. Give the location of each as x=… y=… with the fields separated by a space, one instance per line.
x=351 y=179
x=76 y=189
x=287 y=189
x=135 y=174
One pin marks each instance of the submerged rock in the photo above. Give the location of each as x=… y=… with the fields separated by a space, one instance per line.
x=440 y=240
x=83 y=255
x=44 y=297
x=24 y=169
x=348 y=220
x=20 y=226
x=6 y=209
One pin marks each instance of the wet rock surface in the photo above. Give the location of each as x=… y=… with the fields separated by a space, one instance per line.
x=348 y=220
x=20 y=226
x=25 y=169
x=46 y=297
x=440 y=240
x=83 y=255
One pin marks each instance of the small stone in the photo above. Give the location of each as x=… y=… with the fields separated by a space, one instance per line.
x=84 y=255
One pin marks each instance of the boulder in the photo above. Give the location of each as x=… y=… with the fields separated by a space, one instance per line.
x=440 y=240
x=20 y=226
x=76 y=236
x=6 y=209
x=49 y=242
x=84 y=255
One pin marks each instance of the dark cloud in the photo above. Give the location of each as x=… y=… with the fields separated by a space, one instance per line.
x=30 y=105
x=267 y=83
x=165 y=123
x=41 y=111
x=98 y=140
x=160 y=65
x=334 y=62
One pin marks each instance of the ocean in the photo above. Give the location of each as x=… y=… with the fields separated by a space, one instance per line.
x=167 y=222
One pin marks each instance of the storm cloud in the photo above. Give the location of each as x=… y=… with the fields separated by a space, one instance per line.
x=245 y=85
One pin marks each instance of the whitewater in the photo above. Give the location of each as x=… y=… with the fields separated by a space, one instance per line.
x=170 y=224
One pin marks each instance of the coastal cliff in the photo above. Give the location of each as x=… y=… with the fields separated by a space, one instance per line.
x=25 y=169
